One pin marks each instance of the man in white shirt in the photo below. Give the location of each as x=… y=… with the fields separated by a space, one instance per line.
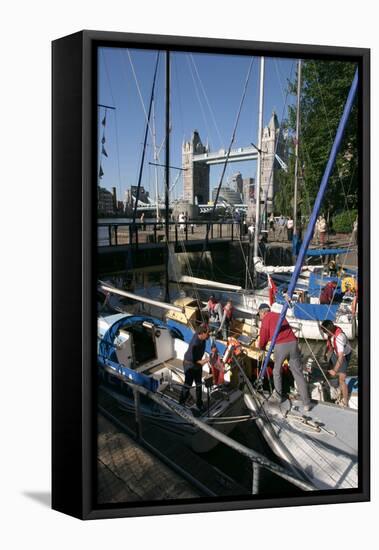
x=338 y=344
x=290 y=228
x=322 y=230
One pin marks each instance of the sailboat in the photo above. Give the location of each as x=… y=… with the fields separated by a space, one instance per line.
x=144 y=350
x=307 y=313
x=323 y=443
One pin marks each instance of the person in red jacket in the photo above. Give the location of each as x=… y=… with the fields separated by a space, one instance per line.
x=338 y=344
x=217 y=366
x=286 y=347
x=328 y=292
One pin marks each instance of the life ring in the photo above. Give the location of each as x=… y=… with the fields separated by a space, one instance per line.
x=348 y=282
x=236 y=345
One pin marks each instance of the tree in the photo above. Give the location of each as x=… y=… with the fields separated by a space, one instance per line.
x=325 y=86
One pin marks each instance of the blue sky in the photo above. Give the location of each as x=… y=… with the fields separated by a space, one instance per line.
x=206 y=91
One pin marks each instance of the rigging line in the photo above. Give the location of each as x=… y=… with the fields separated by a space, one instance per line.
x=351 y=180
x=333 y=296
x=304 y=153
x=100 y=149
x=156 y=157
x=310 y=162
x=312 y=449
x=194 y=290
x=108 y=77
x=348 y=250
x=246 y=263
x=343 y=265
x=198 y=96
x=279 y=134
x=228 y=153
x=330 y=136
x=279 y=77
x=118 y=154
x=317 y=363
x=175 y=182
x=174 y=59
x=208 y=104
x=145 y=139
x=139 y=92
x=115 y=119
x=207 y=101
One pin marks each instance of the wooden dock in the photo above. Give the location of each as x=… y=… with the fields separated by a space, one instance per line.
x=127 y=472
x=167 y=467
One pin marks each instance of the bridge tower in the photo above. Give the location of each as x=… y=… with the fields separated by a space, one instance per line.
x=196 y=175
x=269 y=164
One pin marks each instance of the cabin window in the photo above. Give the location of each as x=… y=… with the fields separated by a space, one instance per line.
x=144 y=349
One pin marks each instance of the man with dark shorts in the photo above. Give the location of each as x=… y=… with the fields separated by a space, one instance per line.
x=338 y=344
x=193 y=366
x=286 y=347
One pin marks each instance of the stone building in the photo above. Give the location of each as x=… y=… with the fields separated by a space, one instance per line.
x=269 y=165
x=236 y=182
x=105 y=202
x=195 y=175
x=228 y=195
x=130 y=195
x=248 y=188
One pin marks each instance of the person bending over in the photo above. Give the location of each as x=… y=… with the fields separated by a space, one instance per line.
x=286 y=347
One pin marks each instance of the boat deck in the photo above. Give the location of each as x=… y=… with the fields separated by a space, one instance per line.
x=323 y=442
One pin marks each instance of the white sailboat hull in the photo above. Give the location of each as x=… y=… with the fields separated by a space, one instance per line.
x=304 y=328
x=328 y=456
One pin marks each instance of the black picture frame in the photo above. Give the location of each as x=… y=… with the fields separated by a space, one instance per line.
x=74 y=268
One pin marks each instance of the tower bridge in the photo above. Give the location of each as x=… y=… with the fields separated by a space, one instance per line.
x=197 y=159
x=219 y=157
x=203 y=208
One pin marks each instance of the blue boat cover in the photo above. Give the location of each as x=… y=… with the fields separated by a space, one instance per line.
x=318 y=282
x=325 y=251
x=315 y=312
x=107 y=350
x=147 y=382
x=352 y=384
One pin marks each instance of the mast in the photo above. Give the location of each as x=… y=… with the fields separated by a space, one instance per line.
x=312 y=221
x=145 y=140
x=259 y=163
x=297 y=147
x=167 y=169
x=156 y=166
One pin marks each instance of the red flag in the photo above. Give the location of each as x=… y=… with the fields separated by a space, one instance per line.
x=272 y=289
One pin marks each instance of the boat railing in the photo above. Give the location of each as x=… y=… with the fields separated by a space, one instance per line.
x=117 y=233
x=258 y=461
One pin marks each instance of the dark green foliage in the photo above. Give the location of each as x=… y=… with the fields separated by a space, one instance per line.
x=325 y=87
x=343 y=222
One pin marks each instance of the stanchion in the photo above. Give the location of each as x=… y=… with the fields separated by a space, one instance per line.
x=137 y=406
x=256 y=478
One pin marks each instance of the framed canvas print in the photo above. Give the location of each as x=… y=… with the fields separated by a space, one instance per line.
x=211 y=292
